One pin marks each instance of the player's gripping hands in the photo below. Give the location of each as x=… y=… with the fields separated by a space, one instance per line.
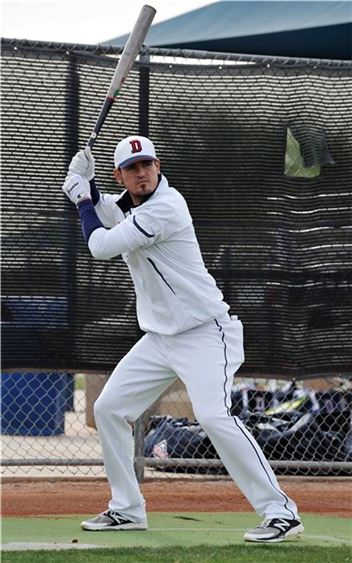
x=80 y=172
x=76 y=188
x=83 y=163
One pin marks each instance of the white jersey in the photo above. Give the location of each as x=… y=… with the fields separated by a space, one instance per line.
x=174 y=290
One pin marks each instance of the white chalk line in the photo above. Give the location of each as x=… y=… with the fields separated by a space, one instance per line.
x=32 y=546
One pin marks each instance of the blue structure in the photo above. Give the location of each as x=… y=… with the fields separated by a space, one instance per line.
x=284 y=28
x=34 y=404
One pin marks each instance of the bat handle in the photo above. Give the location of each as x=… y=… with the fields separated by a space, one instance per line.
x=102 y=116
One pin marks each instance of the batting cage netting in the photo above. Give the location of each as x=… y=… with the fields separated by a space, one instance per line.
x=261 y=149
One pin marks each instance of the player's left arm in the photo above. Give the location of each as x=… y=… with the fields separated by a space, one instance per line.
x=148 y=225
x=136 y=231
x=151 y=223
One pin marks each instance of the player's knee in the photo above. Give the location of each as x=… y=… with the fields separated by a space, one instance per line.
x=211 y=418
x=107 y=406
x=204 y=417
x=99 y=408
x=103 y=407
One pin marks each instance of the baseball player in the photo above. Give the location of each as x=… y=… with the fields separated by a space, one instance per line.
x=189 y=334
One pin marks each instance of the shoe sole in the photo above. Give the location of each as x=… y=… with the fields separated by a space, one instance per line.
x=99 y=528
x=290 y=534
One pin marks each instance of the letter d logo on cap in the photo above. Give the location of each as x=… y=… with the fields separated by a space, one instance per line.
x=136 y=146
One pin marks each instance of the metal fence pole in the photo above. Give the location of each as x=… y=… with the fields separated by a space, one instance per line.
x=139 y=460
x=144 y=73
x=71 y=147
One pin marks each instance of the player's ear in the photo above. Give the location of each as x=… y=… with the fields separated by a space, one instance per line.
x=117 y=175
x=157 y=164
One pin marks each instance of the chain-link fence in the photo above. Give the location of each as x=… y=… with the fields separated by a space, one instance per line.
x=261 y=149
x=48 y=427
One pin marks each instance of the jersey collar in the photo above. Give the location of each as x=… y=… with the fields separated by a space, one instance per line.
x=125 y=202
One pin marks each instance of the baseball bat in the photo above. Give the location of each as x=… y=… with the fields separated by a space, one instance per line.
x=124 y=65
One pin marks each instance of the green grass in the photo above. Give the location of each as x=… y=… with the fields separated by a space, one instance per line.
x=276 y=553
x=80 y=382
x=294 y=165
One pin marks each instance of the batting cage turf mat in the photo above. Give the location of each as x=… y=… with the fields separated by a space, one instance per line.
x=168 y=533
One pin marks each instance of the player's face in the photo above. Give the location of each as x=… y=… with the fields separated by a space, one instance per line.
x=139 y=179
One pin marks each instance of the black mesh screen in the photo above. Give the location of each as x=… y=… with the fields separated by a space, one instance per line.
x=279 y=246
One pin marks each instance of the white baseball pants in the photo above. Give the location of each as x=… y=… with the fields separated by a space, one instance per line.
x=205 y=359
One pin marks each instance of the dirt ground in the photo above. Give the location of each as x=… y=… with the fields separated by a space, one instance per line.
x=44 y=497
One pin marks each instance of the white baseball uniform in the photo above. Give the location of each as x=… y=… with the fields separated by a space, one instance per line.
x=189 y=335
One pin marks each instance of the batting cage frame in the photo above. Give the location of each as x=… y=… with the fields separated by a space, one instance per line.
x=261 y=149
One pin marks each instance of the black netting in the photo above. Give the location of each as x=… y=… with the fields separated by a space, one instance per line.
x=279 y=245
